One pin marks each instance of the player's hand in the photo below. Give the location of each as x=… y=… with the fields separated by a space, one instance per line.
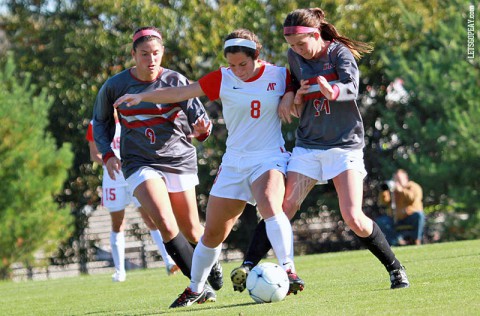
x=114 y=165
x=129 y=100
x=325 y=87
x=201 y=126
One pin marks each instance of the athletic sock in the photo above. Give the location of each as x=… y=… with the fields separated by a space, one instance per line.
x=259 y=245
x=181 y=252
x=117 y=243
x=279 y=232
x=157 y=238
x=203 y=260
x=378 y=245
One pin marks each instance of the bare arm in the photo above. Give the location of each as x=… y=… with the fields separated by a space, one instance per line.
x=162 y=95
x=285 y=107
x=95 y=155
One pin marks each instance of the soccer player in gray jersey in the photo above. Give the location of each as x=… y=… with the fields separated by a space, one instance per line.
x=330 y=135
x=157 y=157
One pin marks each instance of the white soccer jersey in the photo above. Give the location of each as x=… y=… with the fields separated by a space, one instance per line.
x=249 y=107
x=107 y=182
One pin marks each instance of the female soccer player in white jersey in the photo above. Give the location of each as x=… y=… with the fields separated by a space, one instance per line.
x=157 y=157
x=254 y=164
x=116 y=196
x=330 y=135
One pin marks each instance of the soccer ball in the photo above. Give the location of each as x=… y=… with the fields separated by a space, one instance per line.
x=267 y=283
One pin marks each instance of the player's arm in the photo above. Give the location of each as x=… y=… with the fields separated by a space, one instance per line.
x=162 y=95
x=95 y=155
x=346 y=88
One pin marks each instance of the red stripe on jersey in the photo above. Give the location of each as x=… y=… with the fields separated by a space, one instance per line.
x=89 y=135
x=151 y=122
x=330 y=77
x=210 y=84
x=314 y=95
x=133 y=112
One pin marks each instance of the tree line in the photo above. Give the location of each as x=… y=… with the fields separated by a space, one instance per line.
x=418 y=96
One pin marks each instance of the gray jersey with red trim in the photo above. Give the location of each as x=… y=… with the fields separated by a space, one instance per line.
x=328 y=124
x=154 y=135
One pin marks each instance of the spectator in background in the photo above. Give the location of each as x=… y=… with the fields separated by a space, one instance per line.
x=115 y=198
x=404 y=218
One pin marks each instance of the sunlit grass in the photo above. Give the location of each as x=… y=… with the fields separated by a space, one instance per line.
x=445 y=280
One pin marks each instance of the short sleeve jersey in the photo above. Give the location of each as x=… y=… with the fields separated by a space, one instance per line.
x=153 y=135
x=249 y=107
x=328 y=124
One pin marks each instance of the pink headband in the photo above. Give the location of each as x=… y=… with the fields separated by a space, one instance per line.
x=289 y=30
x=143 y=33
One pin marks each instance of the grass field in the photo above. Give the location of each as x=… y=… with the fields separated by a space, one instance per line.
x=445 y=280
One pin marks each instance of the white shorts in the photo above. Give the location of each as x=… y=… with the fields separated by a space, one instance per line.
x=117 y=198
x=175 y=182
x=324 y=165
x=238 y=171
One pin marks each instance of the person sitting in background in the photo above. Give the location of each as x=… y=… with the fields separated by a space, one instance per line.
x=404 y=218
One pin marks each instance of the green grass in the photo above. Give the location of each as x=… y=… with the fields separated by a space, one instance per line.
x=445 y=280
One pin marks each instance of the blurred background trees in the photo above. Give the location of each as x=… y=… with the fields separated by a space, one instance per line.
x=32 y=173
x=69 y=48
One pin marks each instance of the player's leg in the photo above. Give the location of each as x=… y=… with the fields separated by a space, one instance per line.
x=221 y=216
x=153 y=196
x=349 y=187
x=170 y=264
x=268 y=190
x=184 y=205
x=117 y=244
x=115 y=199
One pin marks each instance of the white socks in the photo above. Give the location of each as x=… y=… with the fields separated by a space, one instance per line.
x=279 y=232
x=203 y=260
x=117 y=243
x=157 y=237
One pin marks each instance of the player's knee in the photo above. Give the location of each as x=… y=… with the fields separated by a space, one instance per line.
x=356 y=223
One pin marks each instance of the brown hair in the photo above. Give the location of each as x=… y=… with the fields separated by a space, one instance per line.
x=315 y=17
x=245 y=34
x=147 y=38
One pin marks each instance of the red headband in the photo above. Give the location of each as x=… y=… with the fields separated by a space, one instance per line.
x=289 y=30
x=143 y=33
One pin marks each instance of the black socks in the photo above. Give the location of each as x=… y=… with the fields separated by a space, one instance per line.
x=259 y=246
x=181 y=252
x=378 y=245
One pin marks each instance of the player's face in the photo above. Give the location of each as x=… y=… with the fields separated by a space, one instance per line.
x=148 y=59
x=243 y=67
x=306 y=45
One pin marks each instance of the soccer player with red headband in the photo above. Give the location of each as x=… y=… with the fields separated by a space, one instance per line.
x=330 y=136
x=158 y=158
x=254 y=164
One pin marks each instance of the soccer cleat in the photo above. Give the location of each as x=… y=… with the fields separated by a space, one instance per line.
x=296 y=284
x=172 y=269
x=399 y=278
x=210 y=295
x=188 y=298
x=119 y=277
x=215 y=278
x=239 y=277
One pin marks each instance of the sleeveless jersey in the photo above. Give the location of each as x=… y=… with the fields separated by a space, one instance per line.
x=153 y=135
x=328 y=124
x=249 y=107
